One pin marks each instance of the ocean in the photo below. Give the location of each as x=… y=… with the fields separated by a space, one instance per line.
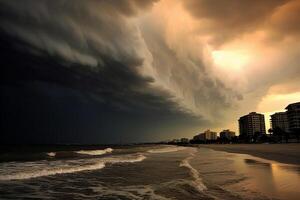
x=154 y=172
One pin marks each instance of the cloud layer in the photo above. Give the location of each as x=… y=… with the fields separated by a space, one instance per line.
x=78 y=73
x=138 y=70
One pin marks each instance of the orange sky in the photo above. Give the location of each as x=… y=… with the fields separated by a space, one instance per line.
x=251 y=47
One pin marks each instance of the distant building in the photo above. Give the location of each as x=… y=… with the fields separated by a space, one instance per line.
x=251 y=124
x=280 y=120
x=174 y=141
x=207 y=135
x=227 y=134
x=198 y=137
x=210 y=135
x=293 y=115
x=184 y=140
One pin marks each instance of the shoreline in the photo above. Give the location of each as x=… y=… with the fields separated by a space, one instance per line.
x=283 y=153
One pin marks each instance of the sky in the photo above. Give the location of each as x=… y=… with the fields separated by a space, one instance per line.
x=100 y=71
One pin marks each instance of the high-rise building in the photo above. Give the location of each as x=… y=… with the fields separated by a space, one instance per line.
x=293 y=115
x=227 y=134
x=280 y=120
x=210 y=135
x=251 y=124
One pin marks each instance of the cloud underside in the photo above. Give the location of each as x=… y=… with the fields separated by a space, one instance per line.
x=73 y=76
x=228 y=20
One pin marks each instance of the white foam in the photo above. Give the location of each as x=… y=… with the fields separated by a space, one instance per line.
x=19 y=171
x=166 y=149
x=49 y=172
x=194 y=173
x=127 y=159
x=51 y=154
x=135 y=192
x=95 y=152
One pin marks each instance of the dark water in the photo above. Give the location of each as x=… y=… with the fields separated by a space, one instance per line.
x=148 y=172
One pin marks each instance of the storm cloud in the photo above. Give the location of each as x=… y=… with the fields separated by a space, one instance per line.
x=131 y=70
x=71 y=73
x=261 y=38
x=225 y=21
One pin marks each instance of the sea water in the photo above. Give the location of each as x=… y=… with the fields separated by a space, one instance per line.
x=147 y=172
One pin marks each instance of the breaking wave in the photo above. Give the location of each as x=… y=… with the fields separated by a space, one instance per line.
x=166 y=149
x=95 y=152
x=199 y=185
x=125 y=159
x=51 y=154
x=49 y=172
x=19 y=171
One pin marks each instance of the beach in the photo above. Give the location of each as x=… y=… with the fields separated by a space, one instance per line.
x=154 y=172
x=284 y=153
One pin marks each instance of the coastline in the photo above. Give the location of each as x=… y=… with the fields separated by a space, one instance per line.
x=283 y=153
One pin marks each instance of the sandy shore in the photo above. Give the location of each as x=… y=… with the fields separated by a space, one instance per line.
x=284 y=153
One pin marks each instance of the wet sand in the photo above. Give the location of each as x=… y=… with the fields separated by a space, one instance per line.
x=284 y=153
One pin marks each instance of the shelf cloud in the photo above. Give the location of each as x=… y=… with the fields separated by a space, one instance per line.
x=132 y=70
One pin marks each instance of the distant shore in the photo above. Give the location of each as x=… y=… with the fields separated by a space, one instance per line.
x=284 y=153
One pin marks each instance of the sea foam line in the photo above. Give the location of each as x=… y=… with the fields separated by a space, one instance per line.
x=44 y=169
x=95 y=152
x=166 y=149
x=194 y=173
x=49 y=172
x=51 y=154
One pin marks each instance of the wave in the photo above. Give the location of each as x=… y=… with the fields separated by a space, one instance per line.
x=49 y=172
x=199 y=185
x=135 y=192
x=51 y=154
x=95 y=152
x=166 y=149
x=20 y=171
x=125 y=159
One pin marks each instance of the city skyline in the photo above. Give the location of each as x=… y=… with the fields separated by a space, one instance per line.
x=276 y=120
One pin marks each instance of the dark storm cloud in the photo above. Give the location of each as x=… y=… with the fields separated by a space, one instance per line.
x=70 y=73
x=139 y=69
x=80 y=31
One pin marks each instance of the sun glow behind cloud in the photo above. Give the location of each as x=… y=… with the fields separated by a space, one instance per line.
x=246 y=61
x=231 y=60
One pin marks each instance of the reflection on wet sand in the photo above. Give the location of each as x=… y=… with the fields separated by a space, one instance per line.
x=256 y=162
x=246 y=176
x=286 y=179
x=274 y=179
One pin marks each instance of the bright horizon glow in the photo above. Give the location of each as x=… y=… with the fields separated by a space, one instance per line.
x=276 y=103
